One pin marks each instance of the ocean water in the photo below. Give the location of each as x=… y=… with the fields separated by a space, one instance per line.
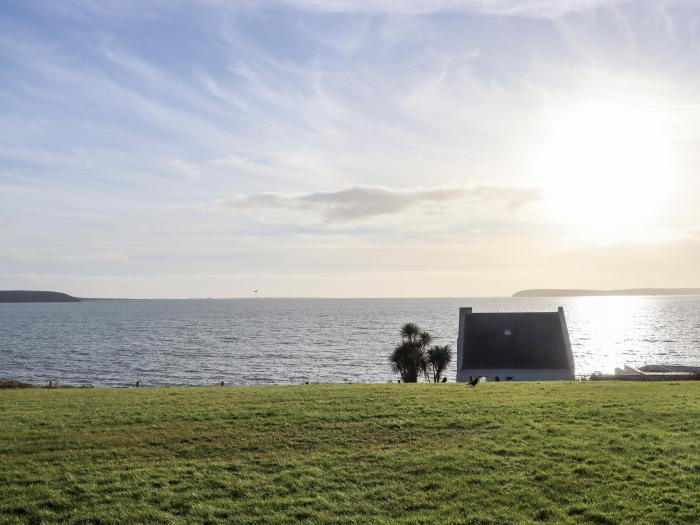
x=283 y=341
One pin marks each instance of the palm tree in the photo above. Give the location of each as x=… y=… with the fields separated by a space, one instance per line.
x=438 y=359
x=410 y=332
x=424 y=338
x=409 y=358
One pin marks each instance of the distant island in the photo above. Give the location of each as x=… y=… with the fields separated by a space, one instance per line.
x=33 y=296
x=556 y=292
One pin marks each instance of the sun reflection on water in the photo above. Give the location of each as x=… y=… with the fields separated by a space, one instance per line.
x=610 y=323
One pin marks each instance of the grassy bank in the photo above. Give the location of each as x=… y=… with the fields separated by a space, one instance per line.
x=500 y=453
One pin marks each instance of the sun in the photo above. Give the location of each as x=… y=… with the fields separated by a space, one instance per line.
x=606 y=169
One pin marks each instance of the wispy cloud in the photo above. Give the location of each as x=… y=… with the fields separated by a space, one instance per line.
x=360 y=202
x=530 y=8
x=430 y=128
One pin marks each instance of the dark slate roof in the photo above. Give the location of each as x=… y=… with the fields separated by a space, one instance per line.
x=530 y=340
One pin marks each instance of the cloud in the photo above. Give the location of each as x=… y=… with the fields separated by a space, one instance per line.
x=132 y=9
x=359 y=202
x=348 y=204
x=527 y=8
x=107 y=140
x=514 y=197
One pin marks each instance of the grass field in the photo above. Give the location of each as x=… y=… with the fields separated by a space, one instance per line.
x=595 y=452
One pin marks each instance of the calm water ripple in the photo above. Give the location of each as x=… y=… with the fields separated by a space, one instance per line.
x=280 y=341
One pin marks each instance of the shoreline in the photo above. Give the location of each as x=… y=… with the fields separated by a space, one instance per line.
x=21 y=385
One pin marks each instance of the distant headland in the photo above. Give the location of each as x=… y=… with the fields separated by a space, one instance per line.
x=556 y=292
x=33 y=296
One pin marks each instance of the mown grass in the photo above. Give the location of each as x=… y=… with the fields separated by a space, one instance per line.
x=605 y=452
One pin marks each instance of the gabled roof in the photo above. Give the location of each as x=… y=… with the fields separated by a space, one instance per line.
x=523 y=341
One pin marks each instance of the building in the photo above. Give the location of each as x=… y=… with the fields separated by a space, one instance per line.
x=528 y=346
x=655 y=373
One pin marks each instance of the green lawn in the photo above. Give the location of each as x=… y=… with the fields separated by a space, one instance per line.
x=596 y=452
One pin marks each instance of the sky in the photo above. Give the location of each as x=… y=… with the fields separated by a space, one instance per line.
x=348 y=148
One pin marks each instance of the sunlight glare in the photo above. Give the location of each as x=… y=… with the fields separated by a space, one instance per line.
x=607 y=169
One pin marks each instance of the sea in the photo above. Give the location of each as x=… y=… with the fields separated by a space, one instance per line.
x=292 y=341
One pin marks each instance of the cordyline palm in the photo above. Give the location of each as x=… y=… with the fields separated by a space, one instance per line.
x=410 y=332
x=438 y=359
x=409 y=358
